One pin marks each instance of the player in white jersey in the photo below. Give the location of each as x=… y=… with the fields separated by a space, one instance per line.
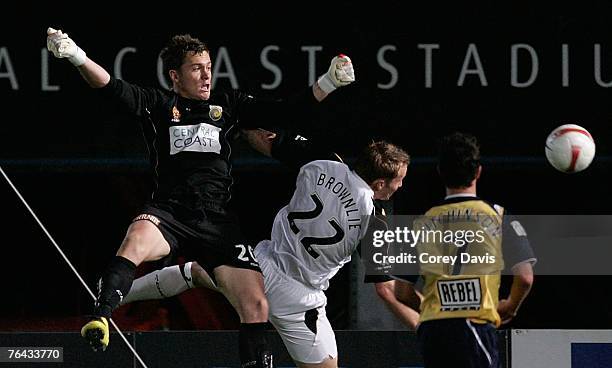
x=316 y=233
x=313 y=237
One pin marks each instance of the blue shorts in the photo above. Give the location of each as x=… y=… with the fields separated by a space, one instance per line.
x=458 y=343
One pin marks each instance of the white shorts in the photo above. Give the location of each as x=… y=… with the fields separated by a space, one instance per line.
x=298 y=314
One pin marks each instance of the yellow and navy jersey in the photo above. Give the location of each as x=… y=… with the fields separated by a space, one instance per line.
x=468 y=287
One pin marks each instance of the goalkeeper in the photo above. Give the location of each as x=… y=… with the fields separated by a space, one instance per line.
x=191 y=146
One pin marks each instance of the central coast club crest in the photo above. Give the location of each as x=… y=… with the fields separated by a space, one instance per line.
x=215 y=112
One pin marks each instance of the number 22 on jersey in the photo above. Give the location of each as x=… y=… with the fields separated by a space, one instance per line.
x=313 y=215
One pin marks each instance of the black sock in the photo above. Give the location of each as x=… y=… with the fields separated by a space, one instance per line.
x=253 y=346
x=113 y=285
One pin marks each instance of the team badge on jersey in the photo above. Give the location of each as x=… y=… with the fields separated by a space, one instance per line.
x=215 y=112
x=518 y=228
x=176 y=115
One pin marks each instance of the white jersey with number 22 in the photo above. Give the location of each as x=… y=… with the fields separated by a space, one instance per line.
x=316 y=233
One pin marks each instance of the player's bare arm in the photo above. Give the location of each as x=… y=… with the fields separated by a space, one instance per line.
x=521 y=285
x=63 y=46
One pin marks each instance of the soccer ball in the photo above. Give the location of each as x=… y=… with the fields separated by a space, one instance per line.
x=570 y=148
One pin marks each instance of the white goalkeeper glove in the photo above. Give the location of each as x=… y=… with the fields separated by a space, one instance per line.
x=340 y=74
x=63 y=46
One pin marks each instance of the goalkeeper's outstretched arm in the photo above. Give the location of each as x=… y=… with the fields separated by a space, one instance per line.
x=64 y=47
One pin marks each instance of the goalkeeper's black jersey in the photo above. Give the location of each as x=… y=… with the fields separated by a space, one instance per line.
x=190 y=140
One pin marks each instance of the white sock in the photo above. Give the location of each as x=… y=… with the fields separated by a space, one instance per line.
x=164 y=283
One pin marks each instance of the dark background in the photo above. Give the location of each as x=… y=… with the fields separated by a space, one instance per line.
x=83 y=169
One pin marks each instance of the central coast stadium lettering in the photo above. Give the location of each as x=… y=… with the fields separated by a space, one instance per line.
x=425 y=65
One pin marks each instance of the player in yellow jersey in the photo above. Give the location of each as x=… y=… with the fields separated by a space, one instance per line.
x=461 y=309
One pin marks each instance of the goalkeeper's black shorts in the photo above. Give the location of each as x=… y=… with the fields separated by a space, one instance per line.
x=212 y=237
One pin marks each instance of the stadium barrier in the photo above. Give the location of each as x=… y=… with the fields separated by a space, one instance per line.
x=561 y=348
x=212 y=349
x=357 y=349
